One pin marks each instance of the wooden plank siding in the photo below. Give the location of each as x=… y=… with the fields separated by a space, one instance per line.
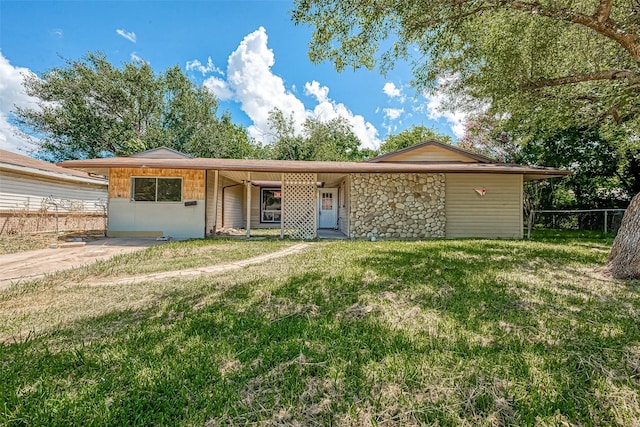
x=26 y=192
x=497 y=214
x=193 y=181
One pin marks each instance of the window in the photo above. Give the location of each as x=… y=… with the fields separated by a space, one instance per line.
x=270 y=204
x=156 y=189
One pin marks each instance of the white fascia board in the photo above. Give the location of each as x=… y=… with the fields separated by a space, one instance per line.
x=51 y=175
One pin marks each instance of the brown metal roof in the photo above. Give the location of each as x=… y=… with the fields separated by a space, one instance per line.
x=291 y=166
x=7 y=157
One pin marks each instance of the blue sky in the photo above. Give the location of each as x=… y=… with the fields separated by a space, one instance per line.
x=249 y=53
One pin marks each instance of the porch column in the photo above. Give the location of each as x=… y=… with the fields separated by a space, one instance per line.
x=215 y=201
x=282 y=206
x=248 y=206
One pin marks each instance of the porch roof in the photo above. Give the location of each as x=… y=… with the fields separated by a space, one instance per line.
x=101 y=166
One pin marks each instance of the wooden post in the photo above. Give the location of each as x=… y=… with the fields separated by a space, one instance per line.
x=531 y=216
x=248 y=219
x=215 y=201
x=282 y=206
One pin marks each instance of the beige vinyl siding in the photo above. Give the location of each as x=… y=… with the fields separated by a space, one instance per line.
x=497 y=214
x=210 y=211
x=231 y=208
x=27 y=192
x=430 y=154
x=343 y=207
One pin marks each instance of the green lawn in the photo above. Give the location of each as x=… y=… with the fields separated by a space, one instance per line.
x=467 y=332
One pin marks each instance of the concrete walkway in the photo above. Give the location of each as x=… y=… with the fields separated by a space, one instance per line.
x=30 y=265
x=199 y=271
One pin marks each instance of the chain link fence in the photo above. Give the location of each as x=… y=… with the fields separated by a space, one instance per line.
x=605 y=220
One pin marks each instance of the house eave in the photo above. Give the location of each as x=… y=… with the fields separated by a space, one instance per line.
x=51 y=175
x=296 y=166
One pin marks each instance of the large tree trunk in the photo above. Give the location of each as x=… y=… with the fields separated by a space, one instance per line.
x=624 y=258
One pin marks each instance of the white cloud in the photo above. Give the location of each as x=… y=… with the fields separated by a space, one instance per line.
x=439 y=106
x=12 y=95
x=57 y=32
x=391 y=90
x=204 y=69
x=135 y=58
x=251 y=82
x=393 y=113
x=321 y=93
x=256 y=88
x=219 y=88
x=328 y=109
x=131 y=36
x=436 y=110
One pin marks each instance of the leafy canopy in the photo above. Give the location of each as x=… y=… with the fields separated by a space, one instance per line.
x=548 y=64
x=89 y=108
x=331 y=140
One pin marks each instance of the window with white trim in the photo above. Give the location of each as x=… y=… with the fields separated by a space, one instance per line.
x=155 y=189
x=270 y=204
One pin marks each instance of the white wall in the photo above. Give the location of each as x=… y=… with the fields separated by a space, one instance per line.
x=168 y=219
x=18 y=192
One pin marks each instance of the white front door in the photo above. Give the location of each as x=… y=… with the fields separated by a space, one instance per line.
x=328 y=209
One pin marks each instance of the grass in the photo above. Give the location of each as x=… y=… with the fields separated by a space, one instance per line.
x=177 y=256
x=466 y=332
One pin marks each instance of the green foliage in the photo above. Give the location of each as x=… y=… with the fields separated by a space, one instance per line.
x=412 y=136
x=549 y=65
x=596 y=164
x=89 y=108
x=331 y=140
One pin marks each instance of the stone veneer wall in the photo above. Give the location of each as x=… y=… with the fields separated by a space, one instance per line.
x=397 y=205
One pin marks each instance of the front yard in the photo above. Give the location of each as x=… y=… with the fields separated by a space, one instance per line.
x=474 y=332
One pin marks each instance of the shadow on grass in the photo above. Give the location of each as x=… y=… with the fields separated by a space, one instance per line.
x=399 y=333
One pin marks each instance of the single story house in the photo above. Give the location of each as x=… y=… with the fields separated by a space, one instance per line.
x=430 y=190
x=37 y=196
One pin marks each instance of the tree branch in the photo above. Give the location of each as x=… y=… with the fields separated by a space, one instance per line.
x=604 y=11
x=629 y=75
x=600 y=22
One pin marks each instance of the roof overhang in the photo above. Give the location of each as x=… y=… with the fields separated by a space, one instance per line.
x=52 y=175
x=101 y=166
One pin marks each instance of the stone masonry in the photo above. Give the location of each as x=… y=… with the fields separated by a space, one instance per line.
x=397 y=206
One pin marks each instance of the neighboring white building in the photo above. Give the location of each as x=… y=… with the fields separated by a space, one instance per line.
x=35 y=195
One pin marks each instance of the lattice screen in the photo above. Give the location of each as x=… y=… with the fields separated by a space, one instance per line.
x=299 y=207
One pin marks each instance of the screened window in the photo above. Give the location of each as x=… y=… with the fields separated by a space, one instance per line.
x=156 y=189
x=270 y=204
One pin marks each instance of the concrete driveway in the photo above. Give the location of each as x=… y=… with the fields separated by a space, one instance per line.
x=24 y=266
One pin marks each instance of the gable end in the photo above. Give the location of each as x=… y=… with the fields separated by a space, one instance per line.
x=432 y=151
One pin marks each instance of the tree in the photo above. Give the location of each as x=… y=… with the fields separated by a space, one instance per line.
x=577 y=58
x=331 y=140
x=408 y=137
x=541 y=64
x=287 y=144
x=89 y=108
